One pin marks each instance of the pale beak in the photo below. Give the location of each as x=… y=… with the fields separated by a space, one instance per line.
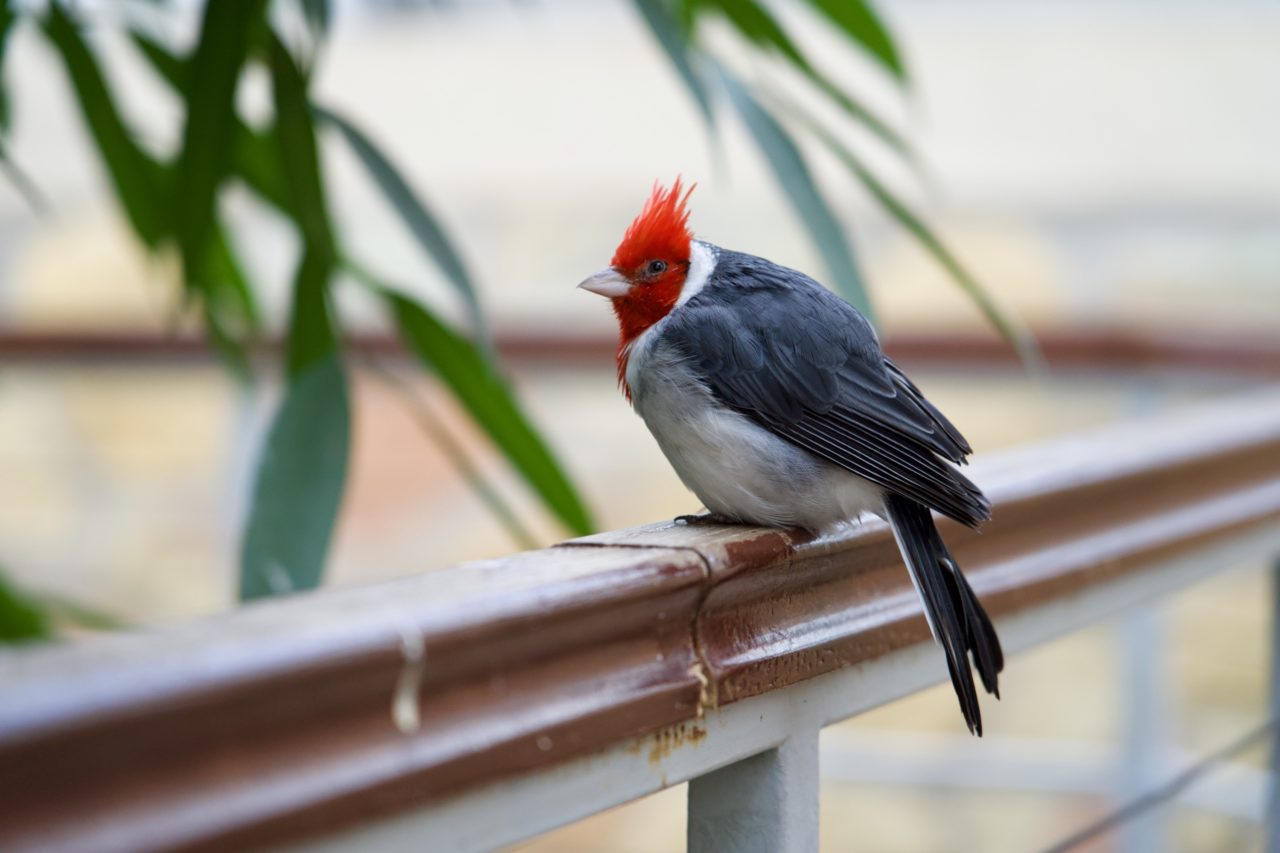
x=608 y=282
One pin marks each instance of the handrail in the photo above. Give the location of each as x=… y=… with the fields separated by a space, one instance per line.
x=1065 y=348
x=295 y=717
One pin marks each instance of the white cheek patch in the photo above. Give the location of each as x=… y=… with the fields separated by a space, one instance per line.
x=702 y=262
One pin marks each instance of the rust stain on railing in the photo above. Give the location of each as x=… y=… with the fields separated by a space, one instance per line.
x=661 y=743
x=273 y=723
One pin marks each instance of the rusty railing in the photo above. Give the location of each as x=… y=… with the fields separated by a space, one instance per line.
x=480 y=705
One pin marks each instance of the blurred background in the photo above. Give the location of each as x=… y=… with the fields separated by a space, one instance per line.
x=1106 y=170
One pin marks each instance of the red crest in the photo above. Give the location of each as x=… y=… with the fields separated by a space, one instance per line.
x=660 y=231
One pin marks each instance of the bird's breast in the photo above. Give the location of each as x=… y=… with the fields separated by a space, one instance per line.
x=736 y=467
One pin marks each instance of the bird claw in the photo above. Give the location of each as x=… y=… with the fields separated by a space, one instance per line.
x=705 y=518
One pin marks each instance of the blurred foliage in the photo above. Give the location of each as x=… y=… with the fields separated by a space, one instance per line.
x=172 y=204
x=300 y=483
x=171 y=201
x=27 y=617
x=680 y=27
x=21 y=618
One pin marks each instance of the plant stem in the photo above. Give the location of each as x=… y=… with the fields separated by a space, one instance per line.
x=435 y=429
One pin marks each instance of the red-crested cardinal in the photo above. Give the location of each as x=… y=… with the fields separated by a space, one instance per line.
x=773 y=401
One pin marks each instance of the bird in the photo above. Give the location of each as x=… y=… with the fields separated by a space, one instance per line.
x=776 y=406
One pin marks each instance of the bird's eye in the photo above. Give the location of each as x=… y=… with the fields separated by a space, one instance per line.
x=656 y=267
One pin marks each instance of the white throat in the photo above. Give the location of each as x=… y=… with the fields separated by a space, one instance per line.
x=702 y=262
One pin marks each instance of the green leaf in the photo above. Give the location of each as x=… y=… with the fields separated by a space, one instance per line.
x=205 y=157
x=229 y=306
x=869 y=119
x=686 y=15
x=226 y=272
x=138 y=179
x=26 y=616
x=859 y=21
x=255 y=154
x=489 y=401
x=174 y=69
x=793 y=174
x=22 y=181
x=225 y=343
x=260 y=162
x=301 y=479
x=319 y=16
x=6 y=26
x=425 y=227
x=228 y=298
x=762 y=29
x=299 y=485
x=674 y=41
x=312 y=336
x=22 y=619
x=1019 y=338
x=297 y=141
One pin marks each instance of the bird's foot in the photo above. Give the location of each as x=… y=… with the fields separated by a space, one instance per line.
x=705 y=518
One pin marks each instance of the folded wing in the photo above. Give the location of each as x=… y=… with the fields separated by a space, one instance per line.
x=796 y=359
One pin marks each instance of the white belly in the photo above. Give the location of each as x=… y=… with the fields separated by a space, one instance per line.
x=736 y=468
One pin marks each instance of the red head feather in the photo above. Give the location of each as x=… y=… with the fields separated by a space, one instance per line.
x=660 y=233
x=661 y=230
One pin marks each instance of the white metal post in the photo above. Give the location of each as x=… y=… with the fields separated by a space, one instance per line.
x=1147 y=699
x=1271 y=820
x=767 y=803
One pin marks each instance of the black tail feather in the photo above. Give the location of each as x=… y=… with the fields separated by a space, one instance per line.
x=956 y=616
x=980 y=634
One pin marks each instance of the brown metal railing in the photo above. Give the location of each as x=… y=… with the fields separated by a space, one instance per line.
x=1080 y=348
x=297 y=717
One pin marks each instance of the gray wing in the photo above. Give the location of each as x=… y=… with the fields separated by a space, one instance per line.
x=804 y=364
